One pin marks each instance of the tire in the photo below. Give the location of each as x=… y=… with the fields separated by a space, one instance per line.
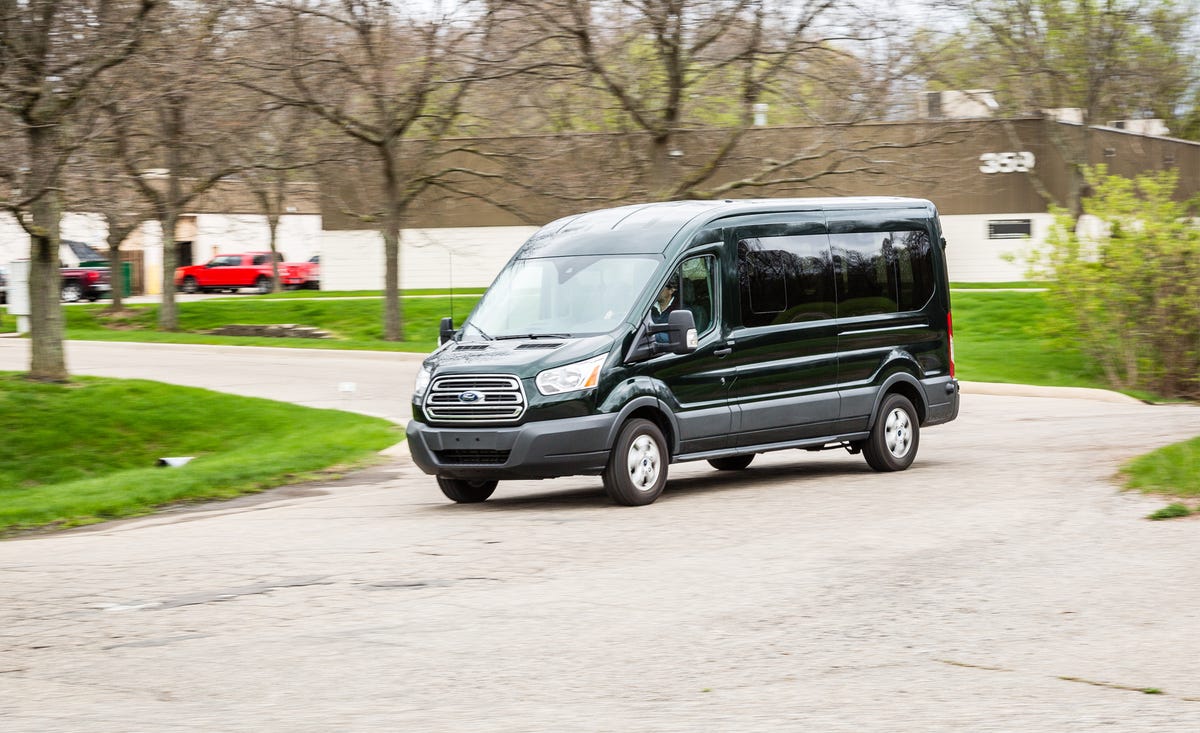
x=262 y=285
x=637 y=468
x=894 y=439
x=72 y=292
x=464 y=491
x=731 y=463
x=190 y=285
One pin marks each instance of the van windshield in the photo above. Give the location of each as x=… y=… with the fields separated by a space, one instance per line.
x=561 y=296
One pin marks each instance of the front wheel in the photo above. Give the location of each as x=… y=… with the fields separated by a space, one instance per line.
x=262 y=285
x=637 y=468
x=464 y=491
x=893 y=442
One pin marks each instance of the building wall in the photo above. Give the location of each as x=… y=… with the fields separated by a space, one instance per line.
x=14 y=241
x=298 y=236
x=472 y=256
x=974 y=257
x=429 y=258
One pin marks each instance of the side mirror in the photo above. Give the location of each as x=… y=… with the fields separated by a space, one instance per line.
x=446 y=330
x=680 y=329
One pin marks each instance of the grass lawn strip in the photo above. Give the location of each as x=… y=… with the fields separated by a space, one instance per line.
x=86 y=451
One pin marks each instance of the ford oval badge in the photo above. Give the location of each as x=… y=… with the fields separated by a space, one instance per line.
x=471 y=396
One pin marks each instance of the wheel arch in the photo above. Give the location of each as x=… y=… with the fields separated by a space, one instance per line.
x=907 y=385
x=648 y=408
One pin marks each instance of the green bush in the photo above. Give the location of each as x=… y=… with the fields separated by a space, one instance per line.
x=1128 y=290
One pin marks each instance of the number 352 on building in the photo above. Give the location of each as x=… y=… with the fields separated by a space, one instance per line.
x=1006 y=162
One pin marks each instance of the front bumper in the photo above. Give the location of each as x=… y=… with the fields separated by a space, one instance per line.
x=541 y=449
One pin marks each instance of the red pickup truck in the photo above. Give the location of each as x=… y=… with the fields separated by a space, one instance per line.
x=246 y=270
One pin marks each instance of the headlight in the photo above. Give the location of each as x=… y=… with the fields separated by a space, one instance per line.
x=580 y=375
x=422 y=383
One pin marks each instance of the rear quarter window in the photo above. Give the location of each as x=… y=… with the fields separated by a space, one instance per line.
x=882 y=272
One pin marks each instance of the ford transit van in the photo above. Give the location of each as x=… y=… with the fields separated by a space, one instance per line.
x=620 y=341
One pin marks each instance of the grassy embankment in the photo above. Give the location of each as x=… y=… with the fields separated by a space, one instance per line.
x=87 y=451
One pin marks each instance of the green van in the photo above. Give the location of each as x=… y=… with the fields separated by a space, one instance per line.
x=617 y=342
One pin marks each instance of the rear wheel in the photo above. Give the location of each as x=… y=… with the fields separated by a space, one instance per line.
x=731 y=463
x=637 y=468
x=262 y=285
x=464 y=491
x=190 y=285
x=893 y=442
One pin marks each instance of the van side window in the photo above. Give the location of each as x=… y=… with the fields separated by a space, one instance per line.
x=914 y=268
x=787 y=279
x=882 y=272
x=697 y=278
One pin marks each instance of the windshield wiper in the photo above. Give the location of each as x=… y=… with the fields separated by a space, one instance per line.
x=481 y=332
x=534 y=336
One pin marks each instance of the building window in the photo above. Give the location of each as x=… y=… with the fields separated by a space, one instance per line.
x=1010 y=229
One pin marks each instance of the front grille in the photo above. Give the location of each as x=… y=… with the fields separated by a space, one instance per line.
x=472 y=457
x=497 y=398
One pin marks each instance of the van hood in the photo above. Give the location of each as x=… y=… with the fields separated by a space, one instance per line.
x=523 y=357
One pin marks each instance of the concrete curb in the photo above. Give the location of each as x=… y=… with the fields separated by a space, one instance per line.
x=1029 y=390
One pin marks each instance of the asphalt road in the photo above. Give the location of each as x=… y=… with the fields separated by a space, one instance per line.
x=1003 y=583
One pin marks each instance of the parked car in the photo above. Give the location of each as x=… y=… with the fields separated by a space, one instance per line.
x=313 y=281
x=84 y=283
x=231 y=272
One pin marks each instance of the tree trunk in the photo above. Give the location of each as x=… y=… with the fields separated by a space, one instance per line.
x=273 y=225
x=393 y=311
x=168 y=311
x=116 y=269
x=659 y=171
x=46 y=322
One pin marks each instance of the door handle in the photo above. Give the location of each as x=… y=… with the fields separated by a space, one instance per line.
x=723 y=352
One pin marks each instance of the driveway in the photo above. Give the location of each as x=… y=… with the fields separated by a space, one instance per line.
x=1003 y=583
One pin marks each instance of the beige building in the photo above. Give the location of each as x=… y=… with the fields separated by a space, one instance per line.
x=989 y=178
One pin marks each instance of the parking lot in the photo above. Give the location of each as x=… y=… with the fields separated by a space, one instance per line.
x=1003 y=583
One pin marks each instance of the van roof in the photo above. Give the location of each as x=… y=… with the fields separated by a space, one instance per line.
x=650 y=228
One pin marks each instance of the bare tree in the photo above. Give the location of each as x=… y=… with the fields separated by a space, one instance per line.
x=283 y=149
x=670 y=67
x=179 y=123
x=1103 y=59
x=99 y=184
x=391 y=76
x=51 y=53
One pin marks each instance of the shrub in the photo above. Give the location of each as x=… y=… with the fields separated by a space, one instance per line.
x=1128 y=288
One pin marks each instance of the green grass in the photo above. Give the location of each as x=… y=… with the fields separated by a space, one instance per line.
x=1170 y=511
x=86 y=451
x=355 y=324
x=1004 y=337
x=1018 y=285
x=1173 y=470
